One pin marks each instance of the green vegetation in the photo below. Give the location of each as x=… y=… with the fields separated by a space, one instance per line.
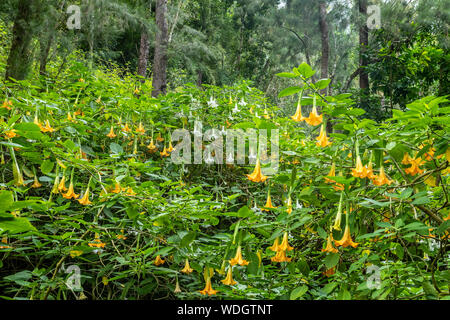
x=93 y=207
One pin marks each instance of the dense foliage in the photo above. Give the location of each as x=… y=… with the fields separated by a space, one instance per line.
x=88 y=186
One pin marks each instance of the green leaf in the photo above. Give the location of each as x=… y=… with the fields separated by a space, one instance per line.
x=6 y=200
x=188 y=238
x=298 y=292
x=16 y=225
x=116 y=148
x=443 y=227
x=244 y=212
x=286 y=75
x=322 y=84
x=289 y=91
x=430 y=291
x=331 y=260
x=422 y=200
x=132 y=212
x=47 y=166
x=305 y=70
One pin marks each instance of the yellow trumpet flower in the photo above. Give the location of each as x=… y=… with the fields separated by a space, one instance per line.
x=151 y=147
x=170 y=149
x=369 y=171
x=268 y=204
x=381 y=179
x=275 y=247
x=208 y=288
x=62 y=185
x=332 y=173
x=346 y=239
x=164 y=153
x=140 y=129
x=238 y=258
x=414 y=169
x=126 y=128
x=289 y=205
x=111 y=133
x=285 y=244
x=47 y=127
x=187 y=268
x=359 y=171
x=229 y=278
x=314 y=119
x=117 y=188
x=329 y=247
x=97 y=243
x=158 y=261
x=298 y=117
x=7 y=104
x=281 y=257
x=322 y=139
x=70 y=193
x=11 y=134
x=36 y=183
x=85 y=199
x=257 y=175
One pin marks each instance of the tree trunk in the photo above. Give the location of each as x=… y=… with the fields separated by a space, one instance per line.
x=44 y=51
x=46 y=40
x=199 y=78
x=143 y=54
x=363 y=43
x=323 y=26
x=20 y=57
x=160 y=58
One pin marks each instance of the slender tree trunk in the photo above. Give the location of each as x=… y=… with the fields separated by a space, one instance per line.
x=199 y=78
x=160 y=58
x=143 y=54
x=44 y=51
x=323 y=25
x=20 y=57
x=46 y=41
x=363 y=43
x=324 y=61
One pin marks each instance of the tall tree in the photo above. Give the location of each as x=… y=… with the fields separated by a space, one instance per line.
x=48 y=33
x=160 y=57
x=20 y=55
x=323 y=26
x=363 y=44
x=143 y=53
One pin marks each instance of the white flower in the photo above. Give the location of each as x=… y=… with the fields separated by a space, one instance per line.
x=242 y=103
x=235 y=109
x=298 y=205
x=212 y=103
